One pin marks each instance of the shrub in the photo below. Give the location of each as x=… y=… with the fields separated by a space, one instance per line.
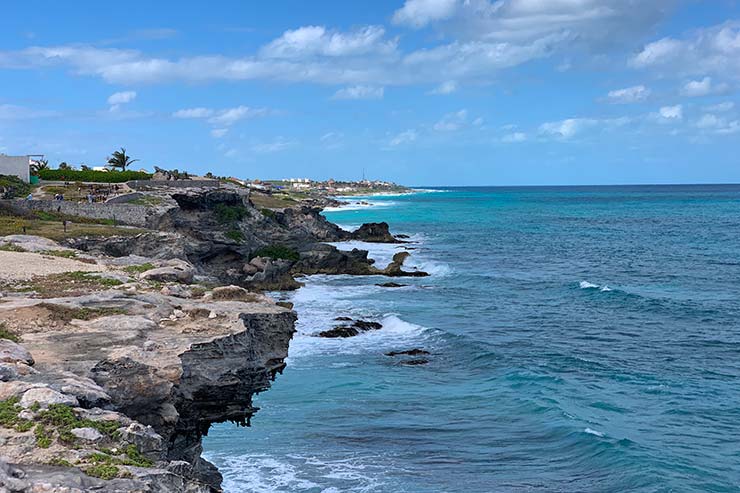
x=229 y=213
x=93 y=176
x=277 y=252
x=235 y=234
x=6 y=334
x=12 y=187
x=268 y=213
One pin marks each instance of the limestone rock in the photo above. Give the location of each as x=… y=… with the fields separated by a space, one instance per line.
x=46 y=396
x=87 y=434
x=374 y=233
x=180 y=271
x=11 y=352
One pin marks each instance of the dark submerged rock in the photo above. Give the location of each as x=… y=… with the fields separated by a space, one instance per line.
x=414 y=362
x=408 y=352
x=391 y=285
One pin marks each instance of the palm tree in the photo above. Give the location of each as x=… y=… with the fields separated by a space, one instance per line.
x=39 y=165
x=119 y=159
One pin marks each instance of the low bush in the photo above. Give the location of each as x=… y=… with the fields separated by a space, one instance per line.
x=12 y=187
x=277 y=252
x=229 y=213
x=93 y=176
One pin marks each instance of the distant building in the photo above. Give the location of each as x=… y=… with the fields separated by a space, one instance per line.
x=19 y=166
x=301 y=185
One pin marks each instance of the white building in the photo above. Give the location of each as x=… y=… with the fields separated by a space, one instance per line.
x=19 y=166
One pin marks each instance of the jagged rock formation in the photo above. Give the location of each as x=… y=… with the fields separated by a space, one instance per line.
x=219 y=231
x=158 y=374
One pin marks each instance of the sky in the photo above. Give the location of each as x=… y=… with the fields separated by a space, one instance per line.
x=421 y=92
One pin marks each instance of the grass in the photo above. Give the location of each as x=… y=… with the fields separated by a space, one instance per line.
x=60 y=253
x=138 y=269
x=12 y=247
x=265 y=201
x=66 y=314
x=148 y=200
x=65 y=284
x=54 y=229
x=7 y=334
x=235 y=234
x=12 y=187
x=54 y=216
x=268 y=213
x=277 y=252
x=229 y=213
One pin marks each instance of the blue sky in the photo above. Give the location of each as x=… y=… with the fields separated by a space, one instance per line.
x=423 y=92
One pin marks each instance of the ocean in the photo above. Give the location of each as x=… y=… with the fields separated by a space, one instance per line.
x=581 y=339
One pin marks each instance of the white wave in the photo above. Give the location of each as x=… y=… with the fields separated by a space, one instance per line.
x=594 y=432
x=263 y=473
x=358 y=205
x=589 y=285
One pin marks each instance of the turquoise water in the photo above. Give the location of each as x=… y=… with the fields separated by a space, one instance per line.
x=582 y=339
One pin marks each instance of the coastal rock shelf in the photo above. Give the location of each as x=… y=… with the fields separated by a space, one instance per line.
x=120 y=402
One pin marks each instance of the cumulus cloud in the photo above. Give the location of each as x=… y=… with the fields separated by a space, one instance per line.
x=634 y=94
x=570 y=127
x=419 y=13
x=404 y=138
x=318 y=41
x=721 y=107
x=716 y=124
x=359 y=92
x=219 y=132
x=671 y=113
x=714 y=50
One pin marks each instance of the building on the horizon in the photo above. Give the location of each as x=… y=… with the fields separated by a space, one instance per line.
x=19 y=166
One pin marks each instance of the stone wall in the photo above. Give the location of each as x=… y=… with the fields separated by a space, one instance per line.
x=145 y=184
x=129 y=214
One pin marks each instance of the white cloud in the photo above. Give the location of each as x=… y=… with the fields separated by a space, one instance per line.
x=718 y=125
x=359 y=92
x=404 y=138
x=721 y=107
x=221 y=118
x=567 y=128
x=671 y=113
x=419 y=13
x=219 y=132
x=230 y=116
x=310 y=41
x=277 y=145
x=447 y=87
x=452 y=121
x=514 y=137
x=634 y=94
x=118 y=98
x=696 y=88
x=712 y=51
x=193 y=113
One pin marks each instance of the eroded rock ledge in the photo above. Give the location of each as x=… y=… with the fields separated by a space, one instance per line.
x=120 y=402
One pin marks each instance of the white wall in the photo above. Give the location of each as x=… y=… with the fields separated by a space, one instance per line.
x=15 y=165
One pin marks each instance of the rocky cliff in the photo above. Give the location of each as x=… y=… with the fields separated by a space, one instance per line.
x=113 y=388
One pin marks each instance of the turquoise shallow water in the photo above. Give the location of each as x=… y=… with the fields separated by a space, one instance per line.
x=583 y=339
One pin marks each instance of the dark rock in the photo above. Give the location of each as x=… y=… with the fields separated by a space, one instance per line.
x=285 y=304
x=391 y=285
x=343 y=319
x=408 y=352
x=414 y=362
x=404 y=237
x=339 y=332
x=395 y=269
x=374 y=233
x=364 y=325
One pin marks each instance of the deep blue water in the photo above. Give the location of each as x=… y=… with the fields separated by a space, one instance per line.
x=583 y=339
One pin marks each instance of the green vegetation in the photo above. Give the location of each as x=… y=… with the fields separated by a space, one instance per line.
x=12 y=247
x=54 y=229
x=7 y=334
x=112 y=176
x=268 y=213
x=138 y=269
x=12 y=187
x=277 y=252
x=59 y=461
x=271 y=201
x=229 y=213
x=102 y=471
x=60 y=253
x=66 y=284
x=235 y=234
x=147 y=200
x=65 y=314
x=55 y=216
